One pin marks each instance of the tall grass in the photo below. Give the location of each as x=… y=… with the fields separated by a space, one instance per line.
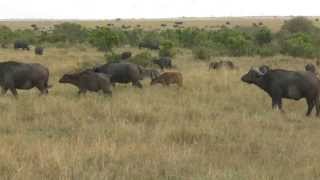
x=215 y=127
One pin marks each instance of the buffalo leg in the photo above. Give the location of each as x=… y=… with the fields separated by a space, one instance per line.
x=42 y=88
x=317 y=106
x=277 y=104
x=4 y=90
x=310 y=103
x=137 y=84
x=14 y=92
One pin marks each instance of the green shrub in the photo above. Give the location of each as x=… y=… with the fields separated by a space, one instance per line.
x=201 y=53
x=299 y=45
x=112 y=57
x=68 y=32
x=263 y=36
x=6 y=36
x=167 y=49
x=144 y=59
x=104 y=38
x=298 y=24
x=150 y=40
x=268 y=50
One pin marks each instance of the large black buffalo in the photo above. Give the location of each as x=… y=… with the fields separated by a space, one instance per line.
x=16 y=75
x=122 y=73
x=153 y=45
x=279 y=83
x=21 y=45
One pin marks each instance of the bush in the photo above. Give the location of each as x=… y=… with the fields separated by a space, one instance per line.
x=298 y=24
x=112 y=57
x=268 y=50
x=68 y=32
x=299 y=45
x=6 y=36
x=104 y=38
x=167 y=49
x=144 y=59
x=201 y=53
x=263 y=36
x=150 y=40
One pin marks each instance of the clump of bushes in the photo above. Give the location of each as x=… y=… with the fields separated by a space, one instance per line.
x=144 y=59
x=299 y=45
x=167 y=49
x=112 y=57
x=201 y=53
x=104 y=38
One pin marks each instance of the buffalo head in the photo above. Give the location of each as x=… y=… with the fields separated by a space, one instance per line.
x=254 y=75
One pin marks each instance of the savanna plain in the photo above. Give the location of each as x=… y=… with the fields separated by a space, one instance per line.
x=214 y=127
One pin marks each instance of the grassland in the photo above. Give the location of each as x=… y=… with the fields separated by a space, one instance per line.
x=274 y=23
x=215 y=127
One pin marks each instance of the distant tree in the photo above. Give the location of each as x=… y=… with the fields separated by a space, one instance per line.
x=6 y=36
x=104 y=38
x=263 y=36
x=69 y=32
x=298 y=24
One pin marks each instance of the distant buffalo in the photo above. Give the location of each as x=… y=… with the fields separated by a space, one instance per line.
x=38 y=50
x=310 y=68
x=16 y=75
x=126 y=55
x=154 y=45
x=163 y=62
x=122 y=73
x=168 y=78
x=280 y=84
x=88 y=81
x=21 y=45
x=221 y=64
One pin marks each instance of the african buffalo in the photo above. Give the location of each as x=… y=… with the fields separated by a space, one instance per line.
x=163 y=62
x=279 y=83
x=122 y=73
x=126 y=55
x=221 y=64
x=21 y=45
x=168 y=78
x=153 y=45
x=16 y=75
x=38 y=50
x=88 y=80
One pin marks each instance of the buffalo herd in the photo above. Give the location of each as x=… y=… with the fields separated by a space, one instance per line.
x=277 y=83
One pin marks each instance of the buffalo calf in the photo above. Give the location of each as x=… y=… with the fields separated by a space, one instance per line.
x=168 y=78
x=88 y=80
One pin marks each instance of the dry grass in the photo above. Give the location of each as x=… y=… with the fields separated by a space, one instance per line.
x=215 y=127
x=274 y=23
